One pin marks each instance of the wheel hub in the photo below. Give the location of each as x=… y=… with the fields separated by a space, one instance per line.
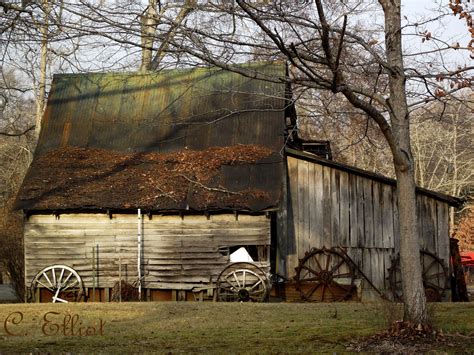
x=244 y=295
x=325 y=277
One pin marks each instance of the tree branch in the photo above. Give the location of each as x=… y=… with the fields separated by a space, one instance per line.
x=18 y=134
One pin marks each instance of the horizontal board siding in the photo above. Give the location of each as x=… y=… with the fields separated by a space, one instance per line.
x=357 y=213
x=184 y=251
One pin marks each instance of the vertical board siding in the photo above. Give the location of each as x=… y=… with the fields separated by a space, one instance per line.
x=387 y=216
x=335 y=203
x=316 y=206
x=442 y=213
x=327 y=209
x=378 y=240
x=344 y=210
x=368 y=214
x=176 y=251
x=353 y=211
x=359 y=214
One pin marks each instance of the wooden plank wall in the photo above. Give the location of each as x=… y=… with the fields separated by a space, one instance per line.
x=178 y=252
x=331 y=207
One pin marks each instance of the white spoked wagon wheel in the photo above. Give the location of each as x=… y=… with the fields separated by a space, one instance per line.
x=62 y=281
x=242 y=282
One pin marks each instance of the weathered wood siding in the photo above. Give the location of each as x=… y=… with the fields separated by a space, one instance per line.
x=178 y=252
x=329 y=207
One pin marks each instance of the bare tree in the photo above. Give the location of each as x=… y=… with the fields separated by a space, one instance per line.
x=16 y=144
x=442 y=143
x=329 y=49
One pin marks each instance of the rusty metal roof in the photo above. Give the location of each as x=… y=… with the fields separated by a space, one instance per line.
x=168 y=112
x=163 y=111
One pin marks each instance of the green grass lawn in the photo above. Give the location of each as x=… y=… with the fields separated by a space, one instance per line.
x=208 y=327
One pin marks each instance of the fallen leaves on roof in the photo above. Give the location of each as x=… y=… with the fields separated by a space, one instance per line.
x=75 y=178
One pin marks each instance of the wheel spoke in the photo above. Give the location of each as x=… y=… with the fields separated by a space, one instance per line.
x=309 y=269
x=55 y=297
x=328 y=261
x=258 y=283
x=243 y=279
x=53 y=273
x=425 y=270
x=45 y=286
x=259 y=291
x=312 y=290
x=337 y=266
x=227 y=286
x=312 y=279
x=47 y=278
x=236 y=279
x=231 y=282
x=61 y=276
x=330 y=290
x=323 y=292
x=315 y=258
x=60 y=300
x=68 y=277
x=70 y=285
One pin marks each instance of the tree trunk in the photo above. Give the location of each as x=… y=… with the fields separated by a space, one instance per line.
x=413 y=292
x=41 y=98
x=149 y=23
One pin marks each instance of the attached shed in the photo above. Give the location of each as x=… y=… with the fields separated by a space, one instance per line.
x=332 y=206
x=160 y=180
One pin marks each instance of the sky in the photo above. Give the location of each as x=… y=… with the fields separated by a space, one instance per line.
x=451 y=29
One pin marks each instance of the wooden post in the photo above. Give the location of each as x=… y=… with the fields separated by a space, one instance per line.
x=139 y=261
x=37 y=295
x=459 y=289
x=93 y=274
x=120 y=278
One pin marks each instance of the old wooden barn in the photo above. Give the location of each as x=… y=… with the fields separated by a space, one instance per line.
x=182 y=184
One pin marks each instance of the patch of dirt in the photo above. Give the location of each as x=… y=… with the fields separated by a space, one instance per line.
x=72 y=177
x=411 y=340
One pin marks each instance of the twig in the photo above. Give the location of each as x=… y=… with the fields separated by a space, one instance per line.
x=17 y=134
x=220 y=189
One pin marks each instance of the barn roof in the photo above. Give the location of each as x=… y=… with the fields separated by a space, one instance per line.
x=198 y=139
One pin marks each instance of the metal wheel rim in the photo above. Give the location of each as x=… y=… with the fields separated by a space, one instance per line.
x=434 y=273
x=328 y=281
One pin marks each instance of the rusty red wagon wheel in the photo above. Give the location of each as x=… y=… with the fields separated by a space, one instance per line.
x=63 y=283
x=242 y=282
x=435 y=277
x=325 y=275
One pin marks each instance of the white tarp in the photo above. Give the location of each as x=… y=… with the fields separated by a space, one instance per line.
x=240 y=255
